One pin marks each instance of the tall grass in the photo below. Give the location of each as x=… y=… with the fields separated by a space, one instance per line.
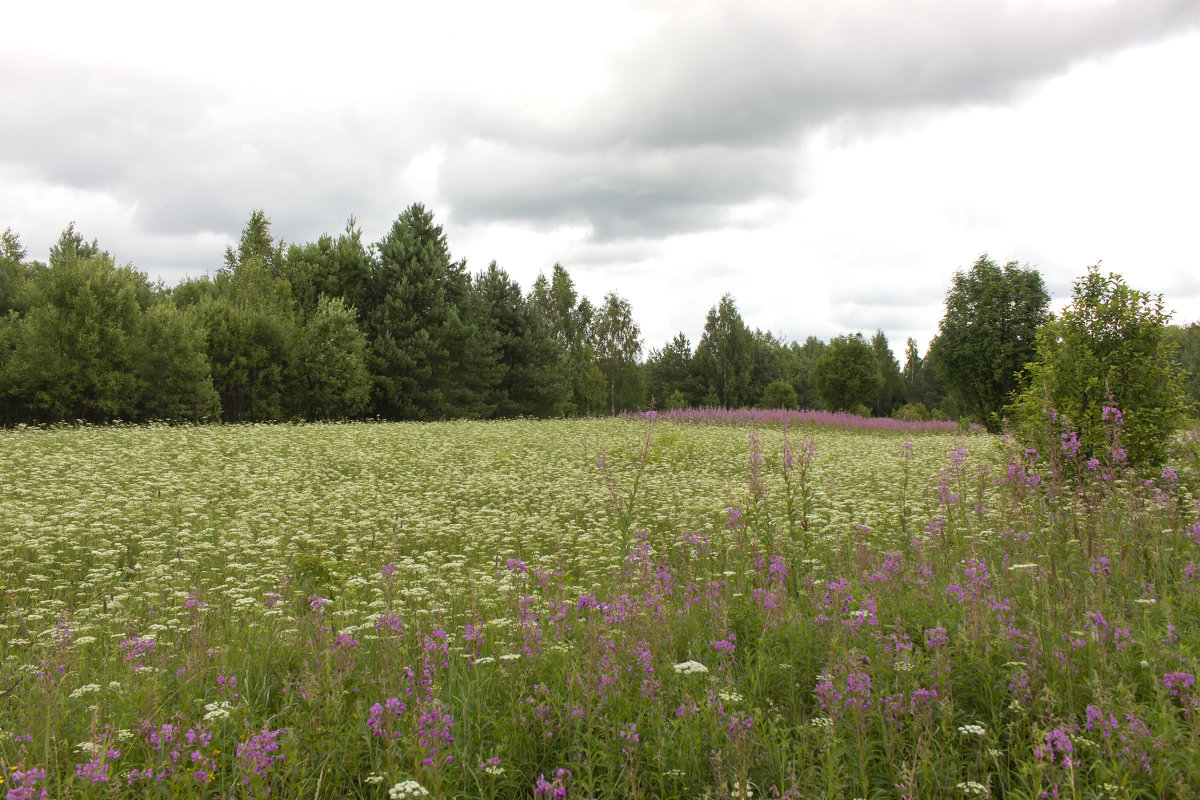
x=487 y=610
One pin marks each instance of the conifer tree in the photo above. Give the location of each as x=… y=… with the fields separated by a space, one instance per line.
x=431 y=357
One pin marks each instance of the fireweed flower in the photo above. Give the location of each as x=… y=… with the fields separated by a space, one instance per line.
x=1175 y=682
x=258 y=753
x=552 y=790
x=1056 y=741
x=385 y=720
x=936 y=637
x=435 y=730
x=24 y=784
x=727 y=645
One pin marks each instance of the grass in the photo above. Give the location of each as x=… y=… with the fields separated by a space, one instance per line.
x=592 y=608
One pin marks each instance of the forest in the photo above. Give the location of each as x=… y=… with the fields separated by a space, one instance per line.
x=341 y=328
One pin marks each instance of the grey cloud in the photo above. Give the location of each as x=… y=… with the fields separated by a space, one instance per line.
x=736 y=87
x=622 y=192
x=760 y=71
x=188 y=157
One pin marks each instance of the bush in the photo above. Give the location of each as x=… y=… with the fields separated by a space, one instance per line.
x=912 y=412
x=676 y=400
x=779 y=394
x=1107 y=354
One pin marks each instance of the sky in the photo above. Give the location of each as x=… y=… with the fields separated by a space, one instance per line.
x=830 y=163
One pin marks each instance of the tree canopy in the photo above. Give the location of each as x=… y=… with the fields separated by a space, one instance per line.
x=988 y=334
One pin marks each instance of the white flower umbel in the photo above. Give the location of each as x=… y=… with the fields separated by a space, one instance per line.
x=690 y=668
x=407 y=789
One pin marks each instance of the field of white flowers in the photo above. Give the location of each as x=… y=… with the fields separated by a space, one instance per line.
x=590 y=609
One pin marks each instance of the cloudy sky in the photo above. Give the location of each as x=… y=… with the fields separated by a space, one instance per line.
x=831 y=163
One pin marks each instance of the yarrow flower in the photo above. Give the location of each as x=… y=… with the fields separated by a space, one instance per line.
x=690 y=668
x=972 y=730
x=973 y=788
x=407 y=789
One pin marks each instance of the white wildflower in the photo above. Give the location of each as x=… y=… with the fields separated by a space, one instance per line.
x=216 y=711
x=742 y=793
x=972 y=730
x=88 y=689
x=690 y=668
x=974 y=788
x=406 y=789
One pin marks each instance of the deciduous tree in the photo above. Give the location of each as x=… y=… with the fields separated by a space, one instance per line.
x=988 y=334
x=847 y=374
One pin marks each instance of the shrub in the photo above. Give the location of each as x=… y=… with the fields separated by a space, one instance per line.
x=1109 y=350
x=779 y=394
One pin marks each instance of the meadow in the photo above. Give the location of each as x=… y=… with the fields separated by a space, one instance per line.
x=725 y=606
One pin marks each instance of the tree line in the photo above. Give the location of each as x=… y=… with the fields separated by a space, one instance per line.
x=341 y=328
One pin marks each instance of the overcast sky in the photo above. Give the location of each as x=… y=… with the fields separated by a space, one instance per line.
x=831 y=163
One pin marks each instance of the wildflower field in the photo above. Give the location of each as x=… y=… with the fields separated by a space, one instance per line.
x=621 y=608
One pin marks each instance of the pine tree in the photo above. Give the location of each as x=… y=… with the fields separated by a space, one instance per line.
x=532 y=382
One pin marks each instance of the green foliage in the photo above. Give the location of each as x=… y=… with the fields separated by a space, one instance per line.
x=174 y=368
x=769 y=355
x=675 y=400
x=532 y=381
x=669 y=371
x=431 y=356
x=891 y=392
x=800 y=367
x=922 y=384
x=332 y=363
x=13 y=272
x=847 y=374
x=724 y=360
x=1109 y=348
x=569 y=319
x=911 y=412
x=617 y=339
x=252 y=349
x=779 y=394
x=73 y=354
x=332 y=267
x=1186 y=340
x=256 y=244
x=988 y=334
